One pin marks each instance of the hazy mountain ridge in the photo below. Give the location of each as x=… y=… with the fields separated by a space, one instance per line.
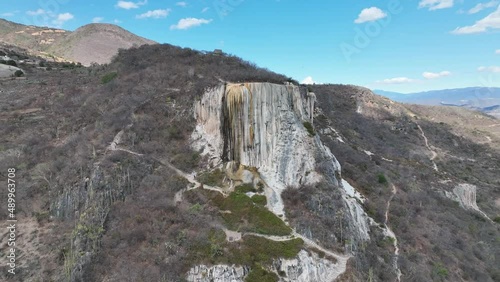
x=485 y=99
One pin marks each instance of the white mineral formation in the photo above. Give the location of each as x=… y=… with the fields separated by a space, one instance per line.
x=268 y=127
x=260 y=125
x=306 y=267
x=217 y=273
x=465 y=195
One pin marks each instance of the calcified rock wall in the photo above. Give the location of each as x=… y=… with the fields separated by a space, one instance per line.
x=465 y=194
x=255 y=118
x=217 y=273
x=207 y=134
x=306 y=267
x=260 y=125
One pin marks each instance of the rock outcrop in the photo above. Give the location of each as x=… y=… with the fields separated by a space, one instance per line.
x=269 y=127
x=465 y=195
x=217 y=273
x=306 y=267
x=261 y=125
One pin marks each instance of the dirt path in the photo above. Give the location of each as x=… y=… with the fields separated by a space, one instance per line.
x=341 y=259
x=434 y=154
x=493 y=125
x=391 y=234
x=341 y=264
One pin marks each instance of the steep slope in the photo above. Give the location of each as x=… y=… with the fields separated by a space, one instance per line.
x=96 y=43
x=109 y=177
x=32 y=38
x=379 y=143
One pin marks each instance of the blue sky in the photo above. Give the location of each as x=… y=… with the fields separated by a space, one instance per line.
x=395 y=45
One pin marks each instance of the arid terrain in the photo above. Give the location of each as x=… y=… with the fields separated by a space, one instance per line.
x=111 y=187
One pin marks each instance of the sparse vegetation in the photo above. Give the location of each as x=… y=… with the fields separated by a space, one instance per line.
x=11 y=63
x=381 y=178
x=147 y=237
x=18 y=73
x=258 y=274
x=108 y=77
x=247 y=216
x=440 y=271
x=244 y=188
x=212 y=178
x=259 y=200
x=309 y=128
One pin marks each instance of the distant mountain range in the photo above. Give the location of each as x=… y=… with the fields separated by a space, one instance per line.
x=485 y=99
x=90 y=43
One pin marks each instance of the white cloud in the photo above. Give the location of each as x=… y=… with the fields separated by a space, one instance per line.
x=9 y=14
x=370 y=14
x=497 y=52
x=36 y=12
x=308 y=80
x=433 y=75
x=117 y=21
x=481 y=6
x=97 y=19
x=491 y=21
x=127 y=5
x=62 y=18
x=181 y=4
x=189 y=23
x=435 y=4
x=489 y=69
x=396 y=80
x=155 y=14
x=205 y=9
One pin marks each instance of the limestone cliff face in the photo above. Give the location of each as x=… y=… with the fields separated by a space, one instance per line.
x=306 y=267
x=217 y=273
x=261 y=125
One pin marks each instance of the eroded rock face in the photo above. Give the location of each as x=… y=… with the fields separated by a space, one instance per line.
x=465 y=195
x=306 y=267
x=261 y=125
x=217 y=273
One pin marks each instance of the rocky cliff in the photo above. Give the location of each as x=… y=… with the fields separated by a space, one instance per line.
x=261 y=125
x=269 y=127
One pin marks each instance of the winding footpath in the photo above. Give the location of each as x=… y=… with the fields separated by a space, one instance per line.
x=391 y=234
x=434 y=154
x=341 y=260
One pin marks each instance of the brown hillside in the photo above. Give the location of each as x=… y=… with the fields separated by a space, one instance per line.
x=90 y=43
x=96 y=43
x=32 y=38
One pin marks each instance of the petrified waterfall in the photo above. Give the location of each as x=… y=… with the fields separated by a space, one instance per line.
x=254 y=114
x=261 y=125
